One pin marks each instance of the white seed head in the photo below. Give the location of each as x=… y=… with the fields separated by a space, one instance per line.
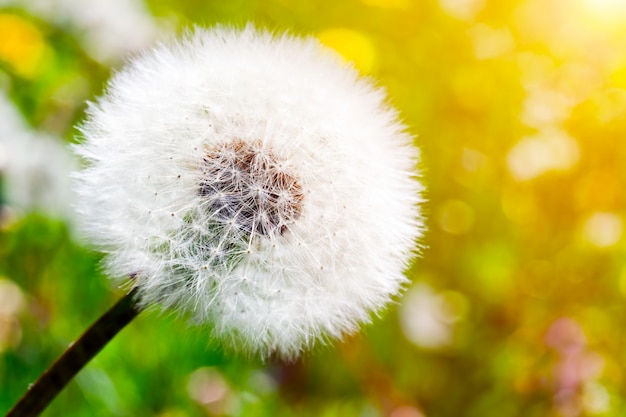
x=254 y=182
x=34 y=167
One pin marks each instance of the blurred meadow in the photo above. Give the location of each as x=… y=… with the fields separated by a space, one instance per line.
x=518 y=305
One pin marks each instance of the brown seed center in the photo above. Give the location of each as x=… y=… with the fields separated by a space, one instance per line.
x=246 y=187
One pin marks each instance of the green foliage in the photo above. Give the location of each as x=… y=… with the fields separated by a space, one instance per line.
x=519 y=107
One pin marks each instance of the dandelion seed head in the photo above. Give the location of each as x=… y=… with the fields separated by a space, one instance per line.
x=253 y=182
x=244 y=184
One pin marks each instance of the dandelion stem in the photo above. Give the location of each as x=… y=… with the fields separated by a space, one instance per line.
x=56 y=377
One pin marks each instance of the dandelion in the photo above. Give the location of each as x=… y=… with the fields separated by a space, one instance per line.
x=34 y=168
x=252 y=182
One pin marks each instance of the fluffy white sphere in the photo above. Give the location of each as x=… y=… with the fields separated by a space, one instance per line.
x=34 y=167
x=255 y=182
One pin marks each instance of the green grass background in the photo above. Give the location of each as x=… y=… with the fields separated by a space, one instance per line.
x=512 y=256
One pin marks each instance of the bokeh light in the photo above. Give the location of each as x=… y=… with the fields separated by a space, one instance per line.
x=23 y=47
x=518 y=304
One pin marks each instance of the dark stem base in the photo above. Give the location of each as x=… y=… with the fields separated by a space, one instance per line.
x=56 y=377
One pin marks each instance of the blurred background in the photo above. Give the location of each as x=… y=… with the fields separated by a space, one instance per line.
x=518 y=306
